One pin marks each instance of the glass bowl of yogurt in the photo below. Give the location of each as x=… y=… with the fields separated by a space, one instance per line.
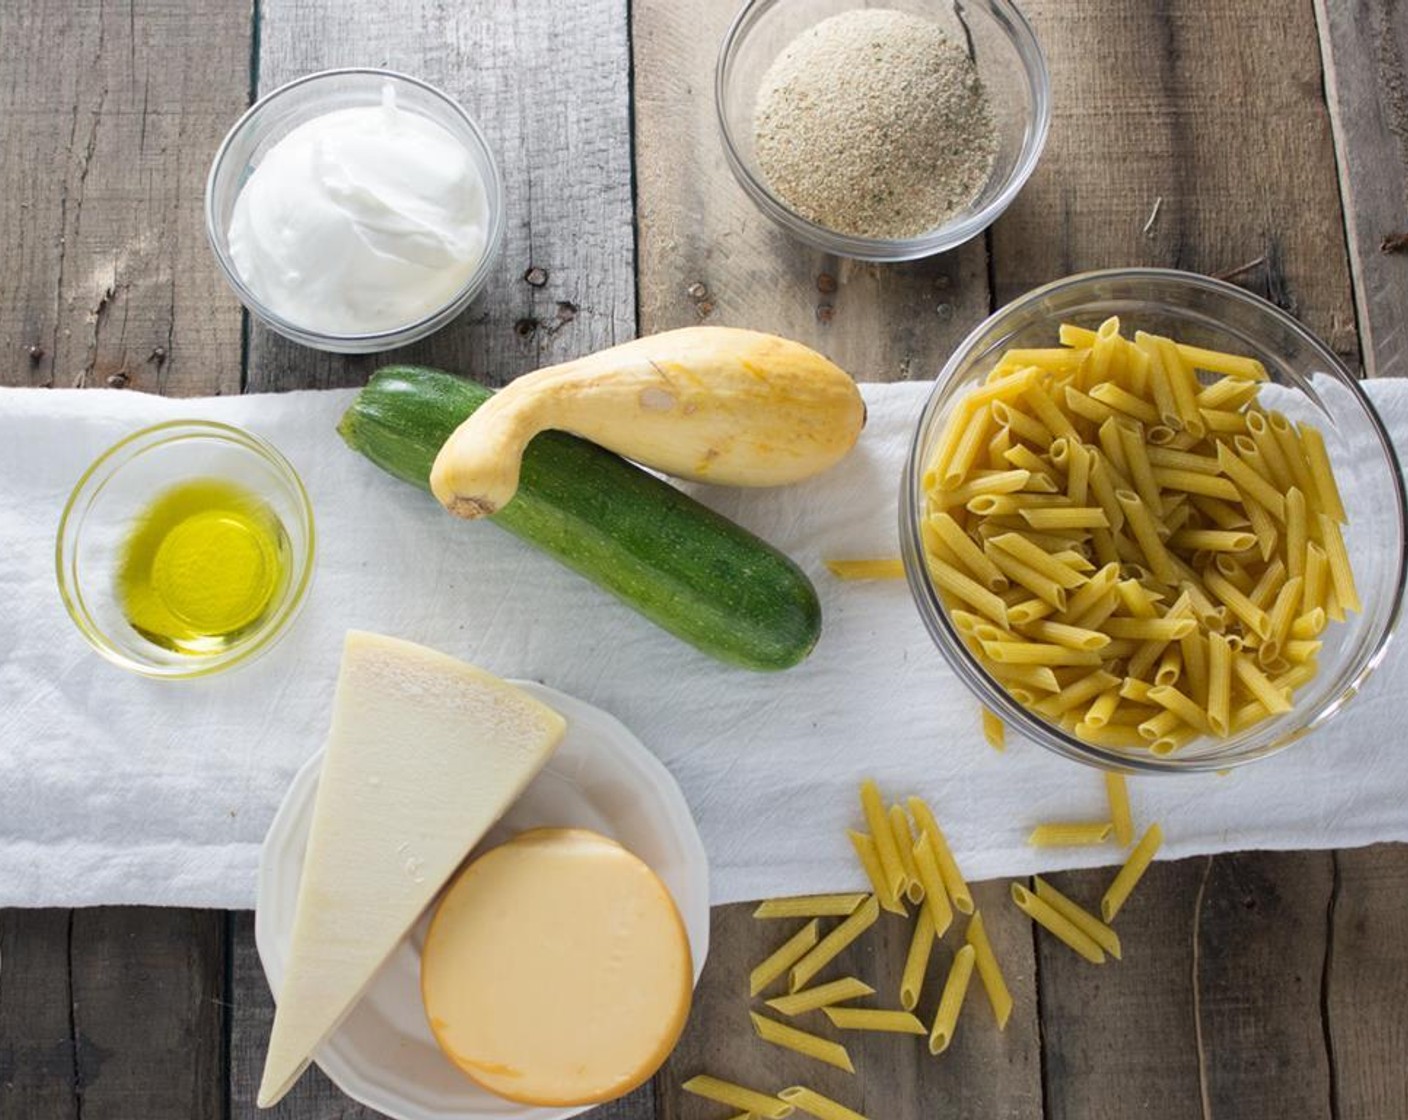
x=355 y=210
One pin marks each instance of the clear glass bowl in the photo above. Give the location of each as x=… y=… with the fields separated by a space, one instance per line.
x=122 y=484
x=1010 y=64
x=274 y=116
x=1307 y=382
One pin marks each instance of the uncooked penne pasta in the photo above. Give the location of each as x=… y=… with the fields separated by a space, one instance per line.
x=810 y=906
x=866 y=569
x=1079 y=917
x=989 y=972
x=877 y=820
x=1070 y=834
x=1118 y=892
x=823 y=995
x=869 y=858
x=994 y=731
x=904 y=844
x=1322 y=476
x=784 y=957
x=1341 y=573
x=1060 y=927
x=936 y=900
x=967 y=553
x=1121 y=820
x=801 y=1042
x=830 y=946
x=1229 y=365
x=954 y=884
x=814 y=1104
x=951 y=1001
x=916 y=961
x=873 y=1019
x=1219 y=684
x=736 y=1096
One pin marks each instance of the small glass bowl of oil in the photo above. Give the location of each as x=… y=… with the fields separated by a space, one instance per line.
x=185 y=548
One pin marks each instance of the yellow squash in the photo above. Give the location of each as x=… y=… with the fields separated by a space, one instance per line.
x=713 y=404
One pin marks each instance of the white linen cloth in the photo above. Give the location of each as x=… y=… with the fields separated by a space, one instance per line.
x=118 y=789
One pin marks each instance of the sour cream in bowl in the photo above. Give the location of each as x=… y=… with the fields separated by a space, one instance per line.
x=355 y=210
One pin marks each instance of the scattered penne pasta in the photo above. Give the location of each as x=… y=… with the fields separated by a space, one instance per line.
x=830 y=946
x=954 y=883
x=751 y=1101
x=916 y=961
x=866 y=569
x=1079 y=917
x=1129 y=875
x=800 y=1042
x=951 y=1001
x=810 y=906
x=1059 y=926
x=1121 y=820
x=870 y=862
x=814 y=1104
x=784 y=957
x=873 y=1019
x=1070 y=834
x=989 y=972
x=823 y=995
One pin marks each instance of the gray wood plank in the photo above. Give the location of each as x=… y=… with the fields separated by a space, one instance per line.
x=984 y=1073
x=111 y=114
x=708 y=255
x=37 y=1062
x=148 y=1012
x=549 y=85
x=1213 y=112
x=1365 y=44
x=1366 y=988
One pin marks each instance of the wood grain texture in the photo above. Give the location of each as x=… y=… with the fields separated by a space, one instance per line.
x=1218 y=111
x=1365 y=49
x=984 y=1073
x=148 y=1012
x=1366 y=991
x=37 y=1062
x=111 y=114
x=708 y=255
x=549 y=84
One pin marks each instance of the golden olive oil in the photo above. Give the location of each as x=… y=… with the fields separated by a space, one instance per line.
x=202 y=566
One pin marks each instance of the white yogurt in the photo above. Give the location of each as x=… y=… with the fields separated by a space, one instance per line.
x=360 y=220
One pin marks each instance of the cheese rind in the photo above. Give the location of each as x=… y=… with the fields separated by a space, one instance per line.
x=424 y=754
x=557 y=970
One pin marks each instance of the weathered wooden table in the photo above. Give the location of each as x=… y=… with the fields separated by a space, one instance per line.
x=1267 y=143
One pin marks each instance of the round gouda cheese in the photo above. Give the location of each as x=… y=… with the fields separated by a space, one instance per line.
x=557 y=970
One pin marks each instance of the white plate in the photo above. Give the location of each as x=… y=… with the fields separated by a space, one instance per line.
x=600 y=777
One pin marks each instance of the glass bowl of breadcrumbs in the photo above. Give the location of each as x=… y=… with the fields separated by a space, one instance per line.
x=882 y=133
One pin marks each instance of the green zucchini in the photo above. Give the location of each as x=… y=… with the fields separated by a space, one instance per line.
x=686 y=568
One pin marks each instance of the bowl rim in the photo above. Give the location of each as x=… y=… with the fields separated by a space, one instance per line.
x=361 y=341
x=942 y=238
x=91 y=483
x=936 y=618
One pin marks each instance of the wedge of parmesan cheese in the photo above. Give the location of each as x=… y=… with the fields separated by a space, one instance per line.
x=424 y=755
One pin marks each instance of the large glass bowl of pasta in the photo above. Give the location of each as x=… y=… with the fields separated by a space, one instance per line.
x=1153 y=523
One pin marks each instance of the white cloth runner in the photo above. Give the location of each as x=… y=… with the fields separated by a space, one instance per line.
x=116 y=789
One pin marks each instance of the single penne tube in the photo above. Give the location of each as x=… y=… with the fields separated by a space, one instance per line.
x=823 y=995
x=1160 y=386
x=1194 y=650
x=1244 y=668
x=1250 y=614
x=751 y=1101
x=878 y=822
x=1060 y=927
x=1112 y=445
x=1112 y=395
x=1142 y=661
x=1341 y=573
x=889 y=568
x=995 y=732
x=1308 y=625
x=1184 y=383
x=1057 y=359
x=1105 y=354
x=1021 y=424
x=1150 y=629
x=951 y=1000
x=1317 y=577
x=1232 y=570
x=916 y=961
x=955 y=885
x=1077 y=473
x=1102 y=708
x=1194 y=482
x=814 y=1104
x=1063 y=634
x=999 y=444
x=1141 y=524
x=873 y=1019
x=1079 y=917
x=1322 y=476
x=1093 y=589
x=1121 y=820
x=1040 y=653
x=1281 y=616
x=1112 y=736
x=1000 y=482
x=1017 y=545
x=1086 y=407
x=1161 y=724
x=810 y=906
x=1262 y=526
x=1104 y=486
x=1212 y=540
x=1169 y=459
x=1076 y=694
x=1223 y=421
x=1228 y=365
x=1180 y=705
x=1250 y=482
x=1042 y=586
x=936 y=899
x=1047 y=411
x=1070 y=834
x=1029 y=610
x=1128 y=876
x=1135 y=690
x=1136 y=599
x=801 y=1042
x=989 y=972
x=1141 y=472
x=869 y=857
x=904 y=844
x=784 y=957
x=963 y=587
x=1024 y=458
x=1219 y=685
x=1083 y=517
x=1039 y=678
x=1297 y=531
x=1227 y=392
x=965 y=452
x=968 y=554
x=1222 y=514
x=1297 y=676
x=1074 y=336
x=830 y=946
x=1298 y=652
x=1274 y=459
